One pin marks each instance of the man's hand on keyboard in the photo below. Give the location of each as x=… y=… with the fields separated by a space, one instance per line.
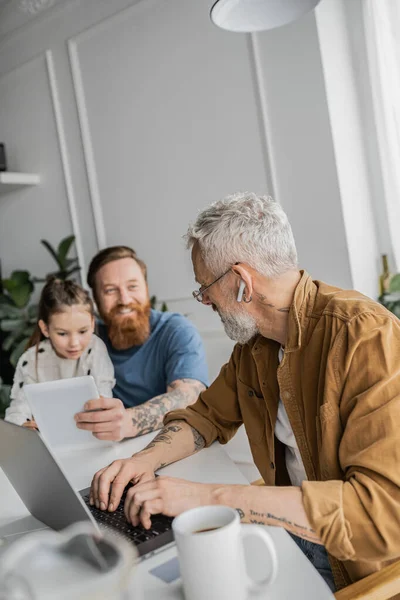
x=109 y=483
x=166 y=495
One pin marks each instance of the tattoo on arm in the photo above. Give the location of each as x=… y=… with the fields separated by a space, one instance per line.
x=164 y=436
x=149 y=416
x=258 y=518
x=199 y=441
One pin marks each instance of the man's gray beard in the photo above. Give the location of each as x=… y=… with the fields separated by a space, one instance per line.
x=239 y=327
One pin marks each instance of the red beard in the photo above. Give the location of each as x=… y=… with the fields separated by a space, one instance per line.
x=130 y=330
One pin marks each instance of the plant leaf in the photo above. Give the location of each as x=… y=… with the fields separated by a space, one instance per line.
x=4 y=299
x=53 y=253
x=9 y=284
x=21 y=295
x=33 y=310
x=20 y=277
x=69 y=262
x=395 y=283
x=10 y=324
x=73 y=270
x=64 y=247
x=18 y=351
x=13 y=338
x=8 y=311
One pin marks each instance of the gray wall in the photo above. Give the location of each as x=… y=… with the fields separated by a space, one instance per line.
x=136 y=115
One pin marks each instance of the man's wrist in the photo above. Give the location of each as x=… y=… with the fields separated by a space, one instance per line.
x=150 y=456
x=129 y=425
x=233 y=495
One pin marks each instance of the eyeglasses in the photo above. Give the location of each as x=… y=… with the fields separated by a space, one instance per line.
x=198 y=294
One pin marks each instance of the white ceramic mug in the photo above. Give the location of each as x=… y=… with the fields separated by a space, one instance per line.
x=211 y=554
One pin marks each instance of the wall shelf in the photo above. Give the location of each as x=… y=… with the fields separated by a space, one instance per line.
x=13 y=181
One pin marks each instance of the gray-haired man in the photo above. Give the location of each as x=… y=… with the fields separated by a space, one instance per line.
x=315 y=379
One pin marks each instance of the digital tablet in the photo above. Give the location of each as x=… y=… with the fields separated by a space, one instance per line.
x=53 y=405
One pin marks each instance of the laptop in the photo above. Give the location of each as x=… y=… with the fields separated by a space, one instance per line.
x=42 y=485
x=53 y=405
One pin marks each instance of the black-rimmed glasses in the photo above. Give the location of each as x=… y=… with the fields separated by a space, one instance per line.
x=198 y=294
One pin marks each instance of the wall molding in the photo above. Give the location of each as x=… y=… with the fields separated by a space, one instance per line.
x=13 y=20
x=88 y=150
x=48 y=62
x=62 y=143
x=263 y=117
x=79 y=91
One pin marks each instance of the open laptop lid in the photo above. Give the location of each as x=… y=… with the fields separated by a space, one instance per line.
x=38 y=478
x=53 y=405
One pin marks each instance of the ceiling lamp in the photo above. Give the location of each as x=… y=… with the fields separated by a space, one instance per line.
x=258 y=15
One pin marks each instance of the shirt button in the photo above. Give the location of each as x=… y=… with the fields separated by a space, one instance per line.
x=272 y=465
x=251 y=393
x=286 y=395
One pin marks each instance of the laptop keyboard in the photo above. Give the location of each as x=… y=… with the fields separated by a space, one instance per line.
x=141 y=537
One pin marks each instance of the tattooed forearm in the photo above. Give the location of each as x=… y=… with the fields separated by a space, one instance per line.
x=165 y=435
x=199 y=441
x=149 y=416
x=240 y=513
x=260 y=518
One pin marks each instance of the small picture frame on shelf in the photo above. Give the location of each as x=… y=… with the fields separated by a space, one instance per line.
x=3 y=162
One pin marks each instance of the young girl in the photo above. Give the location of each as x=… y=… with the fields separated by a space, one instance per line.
x=63 y=345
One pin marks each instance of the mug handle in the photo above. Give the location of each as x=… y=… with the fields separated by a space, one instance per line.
x=256 y=530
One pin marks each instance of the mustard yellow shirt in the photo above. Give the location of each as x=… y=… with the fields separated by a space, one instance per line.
x=339 y=381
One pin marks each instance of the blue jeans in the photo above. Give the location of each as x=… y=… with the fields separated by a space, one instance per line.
x=318 y=556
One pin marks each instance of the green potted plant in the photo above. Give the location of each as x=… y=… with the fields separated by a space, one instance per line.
x=391 y=298
x=17 y=314
x=5 y=390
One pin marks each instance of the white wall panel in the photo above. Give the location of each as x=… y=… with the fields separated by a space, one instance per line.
x=304 y=168
x=28 y=127
x=173 y=125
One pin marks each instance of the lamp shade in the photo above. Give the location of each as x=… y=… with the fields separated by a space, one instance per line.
x=258 y=15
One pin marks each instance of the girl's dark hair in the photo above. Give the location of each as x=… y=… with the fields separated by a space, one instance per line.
x=56 y=294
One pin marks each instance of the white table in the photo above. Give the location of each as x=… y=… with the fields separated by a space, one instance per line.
x=296 y=579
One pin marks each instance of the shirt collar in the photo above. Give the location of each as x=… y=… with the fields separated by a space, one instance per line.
x=300 y=311
x=298 y=317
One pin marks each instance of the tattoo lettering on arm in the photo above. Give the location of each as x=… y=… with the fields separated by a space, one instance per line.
x=240 y=513
x=306 y=533
x=199 y=441
x=180 y=393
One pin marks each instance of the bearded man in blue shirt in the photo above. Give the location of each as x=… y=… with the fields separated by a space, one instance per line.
x=158 y=357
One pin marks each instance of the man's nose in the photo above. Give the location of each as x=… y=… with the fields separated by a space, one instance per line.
x=124 y=297
x=206 y=299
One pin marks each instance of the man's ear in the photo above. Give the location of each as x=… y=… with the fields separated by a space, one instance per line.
x=244 y=275
x=43 y=328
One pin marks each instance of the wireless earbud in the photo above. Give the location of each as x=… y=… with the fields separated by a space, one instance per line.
x=242 y=285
